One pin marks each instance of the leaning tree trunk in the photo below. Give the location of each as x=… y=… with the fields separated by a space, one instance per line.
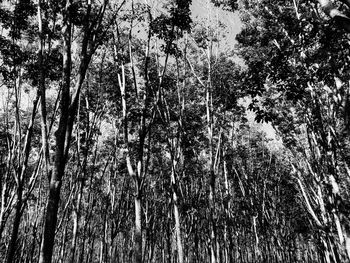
x=91 y=40
x=55 y=183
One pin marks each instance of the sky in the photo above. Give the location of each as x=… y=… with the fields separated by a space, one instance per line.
x=204 y=9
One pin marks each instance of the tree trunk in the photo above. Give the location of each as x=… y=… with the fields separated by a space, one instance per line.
x=50 y=219
x=75 y=232
x=136 y=176
x=76 y=217
x=138 y=231
x=60 y=162
x=17 y=220
x=63 y=244
x=177 y=224
x=19 y=177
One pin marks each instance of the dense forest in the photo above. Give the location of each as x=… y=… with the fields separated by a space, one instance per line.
x=135 y=131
